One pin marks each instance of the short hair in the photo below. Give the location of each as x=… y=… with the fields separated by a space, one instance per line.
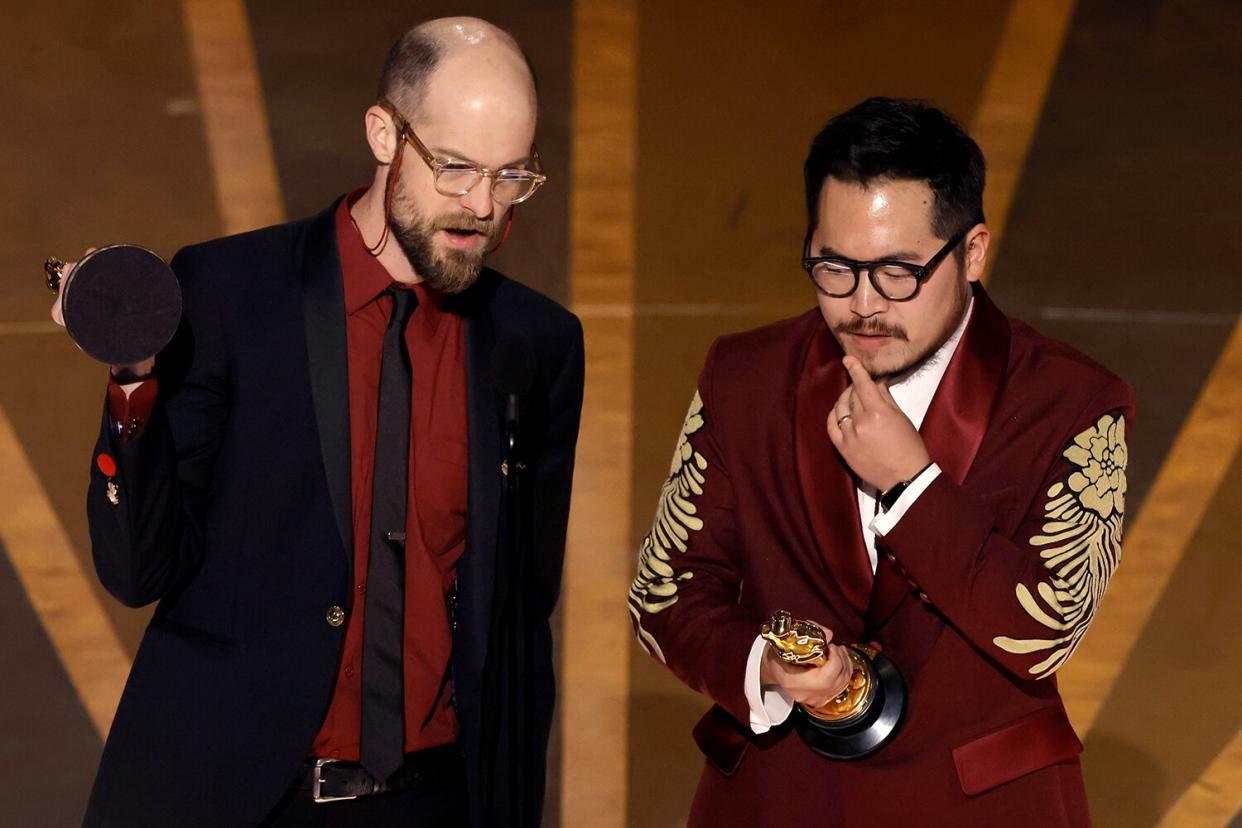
x=410 y=63
x=885 y=139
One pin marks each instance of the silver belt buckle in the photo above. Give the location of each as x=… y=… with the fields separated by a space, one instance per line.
x=315 y=786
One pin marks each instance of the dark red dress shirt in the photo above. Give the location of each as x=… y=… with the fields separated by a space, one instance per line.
x=436 y=513
x=435 y=528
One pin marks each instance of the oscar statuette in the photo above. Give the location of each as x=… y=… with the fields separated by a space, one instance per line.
x=867 y=713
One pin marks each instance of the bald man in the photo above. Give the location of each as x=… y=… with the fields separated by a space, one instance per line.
x=346 y=484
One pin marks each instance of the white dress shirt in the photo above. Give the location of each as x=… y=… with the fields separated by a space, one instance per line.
x=913 y=392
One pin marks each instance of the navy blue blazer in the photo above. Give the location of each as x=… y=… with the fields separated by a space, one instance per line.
x=234 y=514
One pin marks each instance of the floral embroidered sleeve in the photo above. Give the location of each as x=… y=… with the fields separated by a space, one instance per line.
x=655 y=586
x=1079 y=544
x=1027 y=599
x=683 y=601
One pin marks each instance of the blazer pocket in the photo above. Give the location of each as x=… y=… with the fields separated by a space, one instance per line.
x=1033 y=742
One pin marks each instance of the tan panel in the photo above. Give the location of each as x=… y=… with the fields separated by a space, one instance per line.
x=598 y=568
x=101 y=144
x=238 y=141
x=1013 y=100
x=1215 y=797
x=1157 y=540
x=1169 y=714
x=58 y=588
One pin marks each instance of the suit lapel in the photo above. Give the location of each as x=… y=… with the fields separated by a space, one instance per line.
x=955 y=425
x=828 y=488
x=327 y=354
x=962 y=407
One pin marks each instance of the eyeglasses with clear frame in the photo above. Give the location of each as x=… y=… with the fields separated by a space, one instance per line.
x=838 y=277
x=457 y=176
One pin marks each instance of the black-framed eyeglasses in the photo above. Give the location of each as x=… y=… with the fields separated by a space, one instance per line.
x=838 y=277
x=458 y=176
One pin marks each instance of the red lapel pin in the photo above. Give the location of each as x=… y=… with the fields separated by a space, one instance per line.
x=108 y=466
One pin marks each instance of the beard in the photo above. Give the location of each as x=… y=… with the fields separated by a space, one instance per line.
x=916 y=361
x=448 y=272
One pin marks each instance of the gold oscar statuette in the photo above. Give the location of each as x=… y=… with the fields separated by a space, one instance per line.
x=865 y=715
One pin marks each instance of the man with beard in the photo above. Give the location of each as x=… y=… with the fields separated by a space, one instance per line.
x=309 y=482
x=905 y=467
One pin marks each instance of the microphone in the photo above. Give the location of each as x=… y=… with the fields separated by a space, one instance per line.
x=513 y=374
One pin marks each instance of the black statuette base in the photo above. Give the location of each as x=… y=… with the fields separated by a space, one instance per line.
x=122 y=304
x=864 y=736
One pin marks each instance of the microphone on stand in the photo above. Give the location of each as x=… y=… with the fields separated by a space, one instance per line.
x=513 y=374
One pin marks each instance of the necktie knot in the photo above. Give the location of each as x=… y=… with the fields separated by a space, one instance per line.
x=404 y=301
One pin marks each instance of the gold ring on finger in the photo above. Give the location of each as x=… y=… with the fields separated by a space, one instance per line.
x=841 y=420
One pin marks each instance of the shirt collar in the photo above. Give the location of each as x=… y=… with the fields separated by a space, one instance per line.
x=913 y=390
x=365 y=279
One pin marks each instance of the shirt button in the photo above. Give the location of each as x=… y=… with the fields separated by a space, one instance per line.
x=362 y=588
x=335 y=616
x=349 y=670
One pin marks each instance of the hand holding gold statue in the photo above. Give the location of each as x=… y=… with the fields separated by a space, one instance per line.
x=852 y=698
x=804 y=664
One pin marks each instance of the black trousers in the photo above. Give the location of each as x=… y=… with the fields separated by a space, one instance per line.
x=440 y=806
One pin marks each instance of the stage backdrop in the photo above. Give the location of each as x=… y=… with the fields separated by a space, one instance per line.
x=673 y=135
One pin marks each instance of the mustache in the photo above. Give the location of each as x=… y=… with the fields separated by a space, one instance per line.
x=464 y=221
x=867 y=328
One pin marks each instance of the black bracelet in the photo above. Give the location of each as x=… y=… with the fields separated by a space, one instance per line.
x=890 y=496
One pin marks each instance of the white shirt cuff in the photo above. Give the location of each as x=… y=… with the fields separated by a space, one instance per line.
x=768 y=708
x=884 y=522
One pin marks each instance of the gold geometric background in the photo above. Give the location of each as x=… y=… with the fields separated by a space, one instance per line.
x=674 y=134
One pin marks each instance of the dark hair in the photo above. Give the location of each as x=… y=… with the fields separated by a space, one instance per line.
x=900 y=139
x=410 y=63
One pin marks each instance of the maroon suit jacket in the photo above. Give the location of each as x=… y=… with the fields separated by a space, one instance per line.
x=984 y=588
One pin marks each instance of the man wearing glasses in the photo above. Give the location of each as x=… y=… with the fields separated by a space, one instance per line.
x=309 y=482
x=907 y=468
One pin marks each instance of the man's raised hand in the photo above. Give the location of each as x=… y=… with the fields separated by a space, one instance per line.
x=874 y=437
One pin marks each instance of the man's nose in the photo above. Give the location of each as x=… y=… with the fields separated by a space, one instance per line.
x=866 y=300
x=479 y=199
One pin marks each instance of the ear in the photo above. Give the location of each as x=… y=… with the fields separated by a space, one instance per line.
x=977 y=241
x=381 y=134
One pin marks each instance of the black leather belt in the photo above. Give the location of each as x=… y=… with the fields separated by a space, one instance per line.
x=332 y=780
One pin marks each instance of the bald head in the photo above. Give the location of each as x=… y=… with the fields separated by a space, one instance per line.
x=461 y=56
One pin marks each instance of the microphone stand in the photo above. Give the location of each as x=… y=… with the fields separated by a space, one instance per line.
x=510 y=635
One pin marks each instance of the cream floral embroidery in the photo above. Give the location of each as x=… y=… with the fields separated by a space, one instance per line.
x=1080 y=544
x=655 y=586
x=1100 y=454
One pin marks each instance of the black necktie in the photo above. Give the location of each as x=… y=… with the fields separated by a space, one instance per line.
x=383 y=699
